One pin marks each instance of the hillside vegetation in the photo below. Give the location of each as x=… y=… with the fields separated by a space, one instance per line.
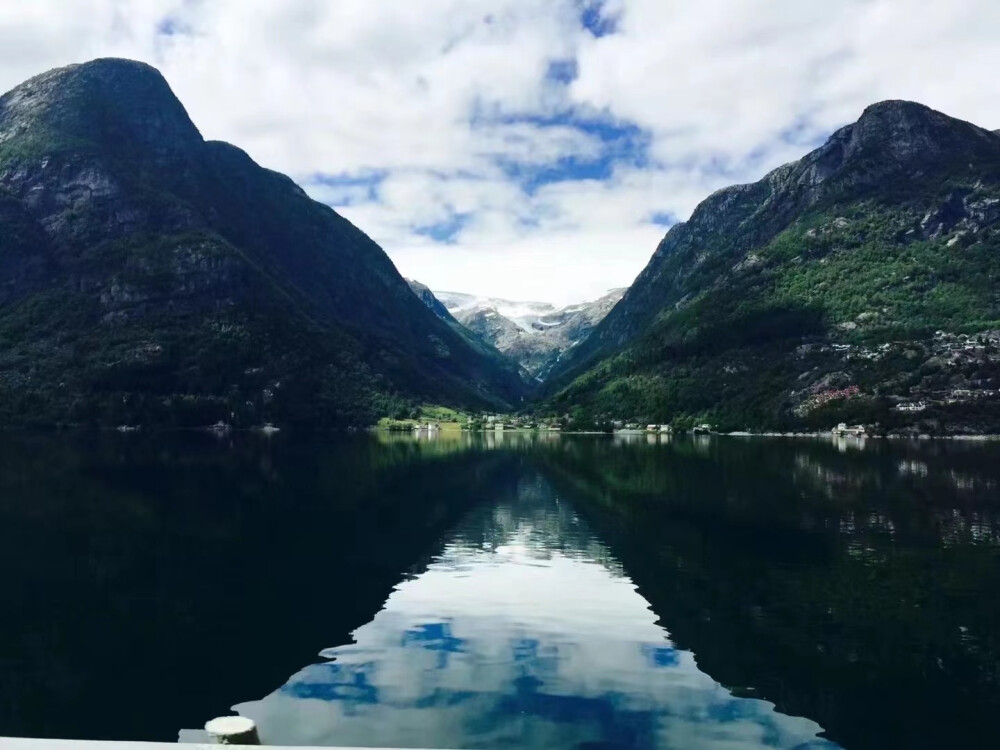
x=857 y=284
x=148 y=276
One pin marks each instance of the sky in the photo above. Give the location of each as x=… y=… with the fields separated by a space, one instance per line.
x=526 y=149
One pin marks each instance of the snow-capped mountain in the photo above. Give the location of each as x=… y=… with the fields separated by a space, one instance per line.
x=534 y=333
x=524 y=315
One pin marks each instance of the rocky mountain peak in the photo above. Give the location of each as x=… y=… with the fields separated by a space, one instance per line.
x=893 y=134
x=896 y=110
x=907 y=128
x=896 y=153
x=146 y=246
x=886 y=231
x=107 y=102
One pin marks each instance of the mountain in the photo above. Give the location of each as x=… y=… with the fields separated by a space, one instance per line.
x=483 y=345
x=859 y=284
x=427 y=297
x=150 y=276
x=535 y=334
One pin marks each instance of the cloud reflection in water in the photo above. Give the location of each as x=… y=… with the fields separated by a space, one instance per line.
x=524 y=632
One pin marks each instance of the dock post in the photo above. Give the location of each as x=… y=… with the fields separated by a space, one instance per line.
x=232 y=730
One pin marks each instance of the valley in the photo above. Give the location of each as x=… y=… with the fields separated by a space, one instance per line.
x=153 y=278
x=534 y=334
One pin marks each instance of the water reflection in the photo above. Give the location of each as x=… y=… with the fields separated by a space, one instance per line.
x=524 y=632
x=139 y=571
x=829 y=582
x=151 y=582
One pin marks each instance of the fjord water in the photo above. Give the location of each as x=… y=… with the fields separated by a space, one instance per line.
x=523 y=632
x=502 y=591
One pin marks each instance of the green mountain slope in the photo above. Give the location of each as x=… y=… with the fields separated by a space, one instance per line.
x=150 y=276
x=859 y=283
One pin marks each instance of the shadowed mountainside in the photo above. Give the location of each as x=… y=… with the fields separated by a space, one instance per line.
x=150 y=276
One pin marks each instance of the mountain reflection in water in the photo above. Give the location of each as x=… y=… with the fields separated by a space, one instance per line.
x=502 y=590
x=524 y=632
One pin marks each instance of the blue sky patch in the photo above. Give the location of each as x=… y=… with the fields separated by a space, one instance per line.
x=562 y=71
x=593 y=19
x=663 y=219
x=351 y=189
x=444 y=231
x=621 y=144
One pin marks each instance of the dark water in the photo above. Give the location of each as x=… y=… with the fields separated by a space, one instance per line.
x=497 y=591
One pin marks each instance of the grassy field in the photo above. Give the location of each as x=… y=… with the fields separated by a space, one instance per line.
x=445 y=418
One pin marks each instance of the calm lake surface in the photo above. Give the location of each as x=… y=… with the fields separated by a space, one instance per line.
x=502 y=591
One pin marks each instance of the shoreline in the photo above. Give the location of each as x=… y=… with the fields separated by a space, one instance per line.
x=966 y=437
x=269 y=430
x=971 y=437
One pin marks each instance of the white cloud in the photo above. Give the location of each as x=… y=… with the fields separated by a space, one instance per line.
x=449 y=104
x=721 y=78
x=543 y=266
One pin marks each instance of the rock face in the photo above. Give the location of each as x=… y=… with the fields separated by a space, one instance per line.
x=534 y=334
x=885 y=234
x=426 y=296
x=150 y=276
x=482 y=344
